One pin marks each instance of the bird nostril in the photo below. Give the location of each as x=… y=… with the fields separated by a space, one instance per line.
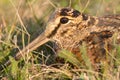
x=64 y=20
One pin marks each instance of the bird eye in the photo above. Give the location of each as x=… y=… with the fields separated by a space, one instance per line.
x=64 y=20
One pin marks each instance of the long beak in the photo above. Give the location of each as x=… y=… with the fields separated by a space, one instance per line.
x=40 y=40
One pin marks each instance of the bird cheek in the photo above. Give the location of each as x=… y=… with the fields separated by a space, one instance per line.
x=52 y=26
x=49 y=29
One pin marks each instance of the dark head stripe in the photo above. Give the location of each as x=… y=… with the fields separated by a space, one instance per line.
x=69 y=12
x=64 y=11
x=85 y=17
x=75 y=13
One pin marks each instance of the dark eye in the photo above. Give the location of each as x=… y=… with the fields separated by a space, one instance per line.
x=64 y=20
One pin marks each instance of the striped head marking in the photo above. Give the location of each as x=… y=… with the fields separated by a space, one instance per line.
x=63 y=17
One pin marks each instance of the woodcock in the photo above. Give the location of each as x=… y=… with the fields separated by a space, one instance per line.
x=69 y=29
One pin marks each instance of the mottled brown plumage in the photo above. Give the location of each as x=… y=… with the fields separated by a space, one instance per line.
x=69 y=29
